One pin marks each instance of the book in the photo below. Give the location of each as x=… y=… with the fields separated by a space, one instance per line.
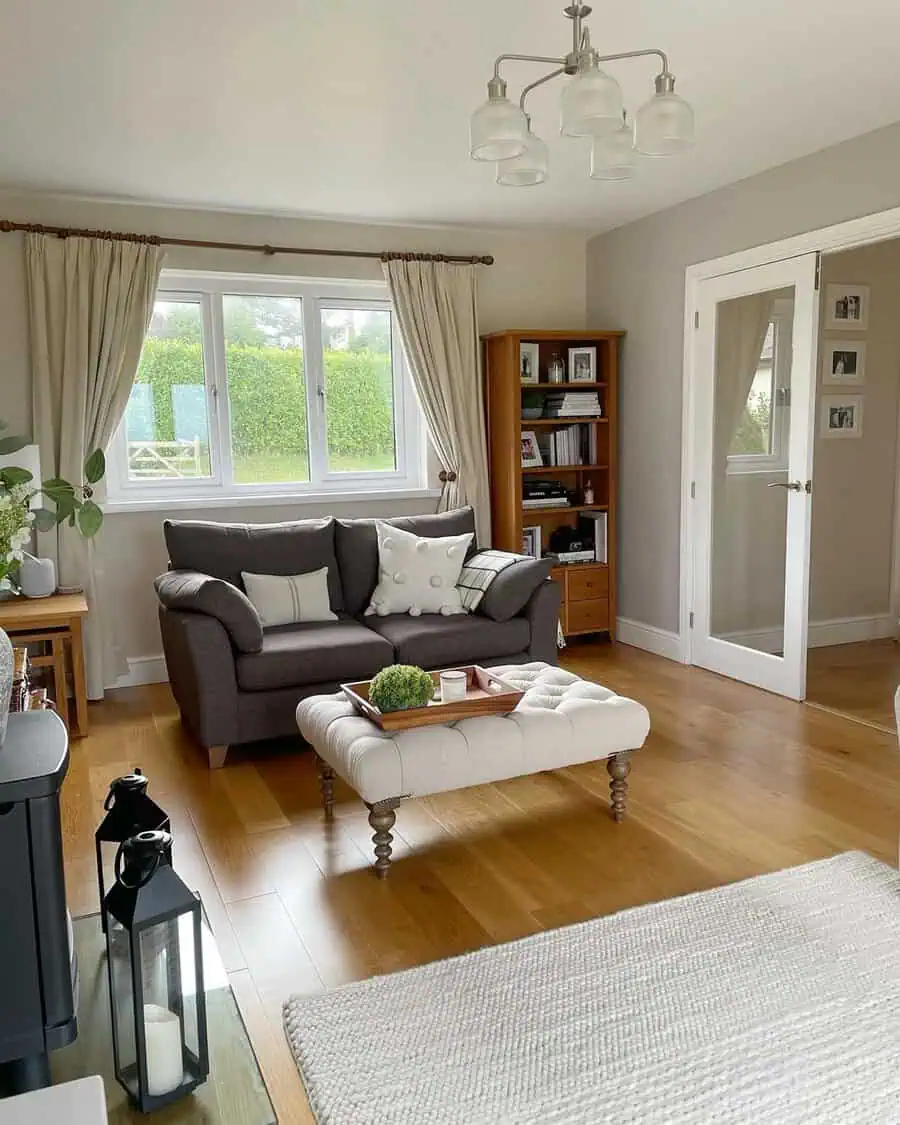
x=546 y=502
x=565 y=558
x=601 y=547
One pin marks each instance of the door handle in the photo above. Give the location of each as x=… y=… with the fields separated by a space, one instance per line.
x=792 y=485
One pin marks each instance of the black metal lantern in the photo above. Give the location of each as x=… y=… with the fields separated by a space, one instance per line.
x=155 y=963
x=129 y=810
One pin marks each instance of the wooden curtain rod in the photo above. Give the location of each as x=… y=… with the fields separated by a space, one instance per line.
x=7 y=227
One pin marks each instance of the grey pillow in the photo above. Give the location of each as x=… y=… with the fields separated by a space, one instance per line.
x=199 y=593
x=511 y=590
x=225 y=549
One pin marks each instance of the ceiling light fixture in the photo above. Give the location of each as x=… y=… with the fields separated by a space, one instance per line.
x=590 y=106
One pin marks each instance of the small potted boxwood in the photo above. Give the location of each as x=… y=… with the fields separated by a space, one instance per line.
x=400 y=688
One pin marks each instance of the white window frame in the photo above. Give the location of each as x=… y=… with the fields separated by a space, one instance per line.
x=776 y=461
x=208 y=289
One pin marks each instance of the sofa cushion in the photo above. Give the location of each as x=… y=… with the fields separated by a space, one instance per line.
x=433 y=641
x=225 y=549
x=289 y=599
x=512 y=588
x=356 y=546
x=313 y=653
x=417 y=573
x=193 y=592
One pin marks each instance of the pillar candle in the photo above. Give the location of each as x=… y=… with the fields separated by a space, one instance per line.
x=165 y=1065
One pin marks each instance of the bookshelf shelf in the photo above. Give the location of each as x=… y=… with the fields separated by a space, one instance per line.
x=549 y=470
x=527 y=423
x=588 y=588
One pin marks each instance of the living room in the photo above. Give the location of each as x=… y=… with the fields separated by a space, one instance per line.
x=564 y=810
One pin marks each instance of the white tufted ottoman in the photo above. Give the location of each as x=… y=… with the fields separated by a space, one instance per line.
x=561 y=721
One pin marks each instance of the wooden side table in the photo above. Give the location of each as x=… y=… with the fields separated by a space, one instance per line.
x=55 y=621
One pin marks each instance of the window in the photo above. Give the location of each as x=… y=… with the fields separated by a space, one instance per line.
x=760 y=442
x=250 y=387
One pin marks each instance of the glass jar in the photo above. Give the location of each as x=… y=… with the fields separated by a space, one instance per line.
x=556 y=372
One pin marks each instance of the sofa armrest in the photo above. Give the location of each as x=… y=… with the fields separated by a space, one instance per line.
x=542 y=613
x=200 y=663
x=189 y=591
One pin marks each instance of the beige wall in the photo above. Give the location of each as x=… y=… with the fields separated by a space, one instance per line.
x=636 y=282
x=854 y=479
x=538 y=279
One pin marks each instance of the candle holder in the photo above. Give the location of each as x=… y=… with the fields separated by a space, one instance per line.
x=155 y=965
x=129 y=810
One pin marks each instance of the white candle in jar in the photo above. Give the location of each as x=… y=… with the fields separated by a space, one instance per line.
x=453 y=686
x=165 y=1065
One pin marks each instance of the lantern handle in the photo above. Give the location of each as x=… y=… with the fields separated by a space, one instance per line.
x=142 y=882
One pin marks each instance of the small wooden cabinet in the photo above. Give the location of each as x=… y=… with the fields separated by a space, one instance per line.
x=588 y=588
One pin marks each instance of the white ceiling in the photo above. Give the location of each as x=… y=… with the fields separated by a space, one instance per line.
x=359 y=108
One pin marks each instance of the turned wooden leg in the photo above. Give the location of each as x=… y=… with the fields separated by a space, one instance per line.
x=618 y=767
x=382 y=818
x=217 y=756
x=326 y=784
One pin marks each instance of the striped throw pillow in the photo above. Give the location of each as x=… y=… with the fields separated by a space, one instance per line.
x=289 y=599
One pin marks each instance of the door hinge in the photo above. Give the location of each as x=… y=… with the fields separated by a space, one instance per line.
x=691 y=619
x=696 y=318
x=818 y=270
x=693 y=490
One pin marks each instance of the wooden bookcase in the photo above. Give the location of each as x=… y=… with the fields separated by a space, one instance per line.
x=589 y=589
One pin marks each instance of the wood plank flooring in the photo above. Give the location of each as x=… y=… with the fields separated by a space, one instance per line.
x=733 y=782
x=857 y=680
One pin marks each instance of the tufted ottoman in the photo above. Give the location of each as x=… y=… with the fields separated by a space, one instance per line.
x=561 y=721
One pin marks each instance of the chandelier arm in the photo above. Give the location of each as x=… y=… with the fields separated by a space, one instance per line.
x=523 y=58
x=539 y=82
x=638 y=55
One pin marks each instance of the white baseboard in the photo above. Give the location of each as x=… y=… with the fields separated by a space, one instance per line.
x=648 y=637
x=822 y=634
x=143 y=670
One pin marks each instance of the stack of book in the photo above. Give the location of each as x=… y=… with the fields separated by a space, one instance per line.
x=544 y=494
x=573 y=404
x=571 y=445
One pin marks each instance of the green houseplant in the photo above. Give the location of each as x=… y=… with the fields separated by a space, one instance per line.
x=401 y=687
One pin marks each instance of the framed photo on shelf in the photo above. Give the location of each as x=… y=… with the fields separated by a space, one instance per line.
x=582 y=365
x=847 y=307
x=844 y=363
x=531 y=542
x=529 y=363
x=842 y=416
x=531 y=454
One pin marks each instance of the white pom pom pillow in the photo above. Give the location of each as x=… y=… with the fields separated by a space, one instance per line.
x=417 y=575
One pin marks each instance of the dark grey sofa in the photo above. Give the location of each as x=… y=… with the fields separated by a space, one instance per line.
x=235 y=682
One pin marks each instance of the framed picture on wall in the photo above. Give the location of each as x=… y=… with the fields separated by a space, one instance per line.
x=529 y=363
x=843 y=363
x=842 y=416
x=531 y=454
x=847 y=307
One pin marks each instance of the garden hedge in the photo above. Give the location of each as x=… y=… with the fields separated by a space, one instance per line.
x=268 y=404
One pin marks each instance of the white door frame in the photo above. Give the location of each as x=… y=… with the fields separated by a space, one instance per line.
x=878 y=227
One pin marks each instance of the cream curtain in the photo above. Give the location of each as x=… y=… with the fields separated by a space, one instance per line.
x=740 y=334
x=435 y=307
x=89 y=304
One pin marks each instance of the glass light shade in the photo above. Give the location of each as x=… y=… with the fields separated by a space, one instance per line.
x=664 y=126
x=613 y=156
x=591 y=104
x=498 y=130
x=531 y=167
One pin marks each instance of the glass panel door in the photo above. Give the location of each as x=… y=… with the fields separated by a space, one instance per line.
x=754 y=394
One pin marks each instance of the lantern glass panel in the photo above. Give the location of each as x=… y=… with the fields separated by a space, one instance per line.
x=123 y=1016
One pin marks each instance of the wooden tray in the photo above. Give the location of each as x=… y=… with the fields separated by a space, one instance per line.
x=486 y=694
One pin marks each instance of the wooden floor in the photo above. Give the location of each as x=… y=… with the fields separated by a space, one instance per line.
x=857 y=680
x=732 y=782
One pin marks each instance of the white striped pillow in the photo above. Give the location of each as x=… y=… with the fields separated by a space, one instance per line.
x=290 y=598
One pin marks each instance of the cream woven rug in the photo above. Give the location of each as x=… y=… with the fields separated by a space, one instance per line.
x=776 y=1000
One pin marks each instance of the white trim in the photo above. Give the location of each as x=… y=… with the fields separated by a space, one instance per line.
x=822 y=634
x=142 y=670
x=650 y=639
x=269 y=500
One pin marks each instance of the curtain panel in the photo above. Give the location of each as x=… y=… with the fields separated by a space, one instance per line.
x=89 y=303
x=436 y=313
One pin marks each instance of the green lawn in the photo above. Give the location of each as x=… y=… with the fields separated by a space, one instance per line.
x=282 y=468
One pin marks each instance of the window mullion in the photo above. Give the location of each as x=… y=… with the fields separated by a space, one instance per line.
x=219 y=385
x=314 y=377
